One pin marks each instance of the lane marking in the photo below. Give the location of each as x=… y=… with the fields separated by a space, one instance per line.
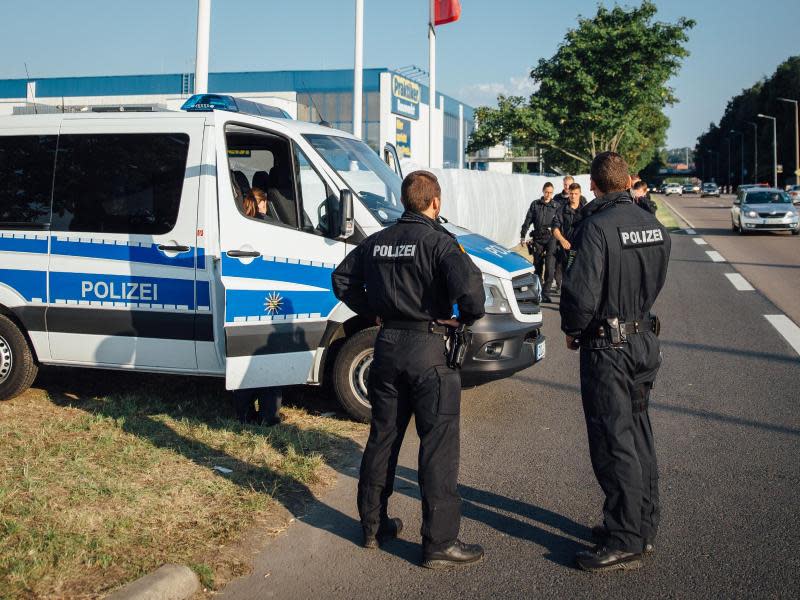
x=787 y=329
x=684 y=219
x=700 y=241
x=689 y=231
x=715 y=256
x=739 y=282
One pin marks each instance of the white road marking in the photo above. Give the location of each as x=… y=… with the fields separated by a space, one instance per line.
x=739 y=282
x=700 y=241
x=690 y=231
x=715 y=256
x=787 y=329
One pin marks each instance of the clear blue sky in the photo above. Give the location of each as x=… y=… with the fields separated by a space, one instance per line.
x=490 y=50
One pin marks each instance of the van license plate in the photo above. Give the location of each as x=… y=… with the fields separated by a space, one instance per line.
x=540 y=350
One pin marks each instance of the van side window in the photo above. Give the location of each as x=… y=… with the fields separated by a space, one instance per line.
x=26 y=179
x=119 y=183
x=319 y=203
x=257 y=159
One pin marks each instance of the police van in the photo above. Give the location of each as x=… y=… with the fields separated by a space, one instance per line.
x=125 y=243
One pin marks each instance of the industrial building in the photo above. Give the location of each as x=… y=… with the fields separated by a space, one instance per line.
x=395 y=102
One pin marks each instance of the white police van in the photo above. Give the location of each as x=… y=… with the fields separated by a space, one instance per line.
x=124 y=244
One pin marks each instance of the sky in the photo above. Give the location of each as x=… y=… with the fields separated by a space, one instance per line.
x=489 y=51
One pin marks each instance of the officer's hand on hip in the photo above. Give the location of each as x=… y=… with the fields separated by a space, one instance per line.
x=572 y=343
x=566 y=245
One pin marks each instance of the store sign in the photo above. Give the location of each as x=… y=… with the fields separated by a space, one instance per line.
x=403 y=138
x=406 y=95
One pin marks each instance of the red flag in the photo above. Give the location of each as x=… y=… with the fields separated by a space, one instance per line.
x=447 y=11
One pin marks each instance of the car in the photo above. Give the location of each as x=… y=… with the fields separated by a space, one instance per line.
x=673 y=188
x=688 y=188
x=126 y=245
x=794 y=192
x=709 y=189
x=764 y=209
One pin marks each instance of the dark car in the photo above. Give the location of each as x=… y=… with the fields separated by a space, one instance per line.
x=709 y=189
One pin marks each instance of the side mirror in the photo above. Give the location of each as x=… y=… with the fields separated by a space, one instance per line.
x=346 y=222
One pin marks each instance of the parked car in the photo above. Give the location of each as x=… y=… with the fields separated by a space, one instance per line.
x=764 y=209
x=709 y=189
x=673 y=188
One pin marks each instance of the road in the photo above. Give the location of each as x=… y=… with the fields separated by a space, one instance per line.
x=727 y=427
x=770 y=261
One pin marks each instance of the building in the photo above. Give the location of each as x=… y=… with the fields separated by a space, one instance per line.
x=395 y=107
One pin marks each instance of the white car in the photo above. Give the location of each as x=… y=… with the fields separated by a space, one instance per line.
x=764 y=209
x=673 y=188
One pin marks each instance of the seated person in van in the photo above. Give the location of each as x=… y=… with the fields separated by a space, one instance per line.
x=255 y=204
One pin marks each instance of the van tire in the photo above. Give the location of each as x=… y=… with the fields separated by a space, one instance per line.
x=17 y=366
x=350 y=371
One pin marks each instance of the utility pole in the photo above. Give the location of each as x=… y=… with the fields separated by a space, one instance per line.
x=358 y=70
x=774 y=147
x=431 y=77
x=201 y=55
x=796 y=138
x=755 y=150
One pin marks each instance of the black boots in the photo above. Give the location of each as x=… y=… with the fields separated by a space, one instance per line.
x=388 y=530
x=601 y=558
x=457 y=553
x=600 y=534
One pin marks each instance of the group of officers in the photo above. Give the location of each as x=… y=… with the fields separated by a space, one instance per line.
x=554 y=219
x=614 y=264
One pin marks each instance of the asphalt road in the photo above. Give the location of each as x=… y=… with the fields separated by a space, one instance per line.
x=727 y=426
x=769 y=260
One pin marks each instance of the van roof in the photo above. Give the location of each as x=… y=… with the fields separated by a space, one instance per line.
x=54 y=119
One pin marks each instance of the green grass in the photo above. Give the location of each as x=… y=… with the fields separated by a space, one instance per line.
x=666 y=216
x=105 y=477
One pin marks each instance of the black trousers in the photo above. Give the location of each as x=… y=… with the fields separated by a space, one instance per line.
x=544 y=260
x=615 y=387
x=409 y=377
x=269 y=404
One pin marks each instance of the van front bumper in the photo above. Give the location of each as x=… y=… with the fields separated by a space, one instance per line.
x=500 y=347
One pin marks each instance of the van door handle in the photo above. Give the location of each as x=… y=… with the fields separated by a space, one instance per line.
x=164 y=248
x=243 y=253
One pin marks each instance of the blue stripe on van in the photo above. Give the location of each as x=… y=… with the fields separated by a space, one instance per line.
x=278 y=270
x=201 y=258
x=28 y=284
x=127 y=289
x=109 y=251
x=254 y=303
x=203 y=294
x=19 y=244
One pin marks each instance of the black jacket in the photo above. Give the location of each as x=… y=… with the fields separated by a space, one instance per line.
x=646 y=203
x=540 y=216
x=566 y=218
x=617 y=264
x=414 y=270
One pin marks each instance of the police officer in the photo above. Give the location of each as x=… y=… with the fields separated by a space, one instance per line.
x=565 y=221
x=641 y=197
x=543 y=245
x=408 y=277
x=616 y=269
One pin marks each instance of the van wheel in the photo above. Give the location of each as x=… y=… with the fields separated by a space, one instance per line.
x=351 y=374
x=17 y=367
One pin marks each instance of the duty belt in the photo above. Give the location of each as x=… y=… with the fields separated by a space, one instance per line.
x=616 y=332
x=424 y=326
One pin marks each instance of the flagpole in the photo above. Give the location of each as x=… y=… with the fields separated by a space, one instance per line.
x=201 y=55
x=432 y=71
x=358 y=70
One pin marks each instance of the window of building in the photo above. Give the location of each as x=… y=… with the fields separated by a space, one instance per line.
x=26 y=179
x=119 y=183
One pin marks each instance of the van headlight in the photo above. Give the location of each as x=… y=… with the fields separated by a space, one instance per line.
x=496 y=300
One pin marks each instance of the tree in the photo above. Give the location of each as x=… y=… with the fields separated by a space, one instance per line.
x=604 y=89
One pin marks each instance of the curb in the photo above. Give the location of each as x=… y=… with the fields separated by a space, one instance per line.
x=168 y=582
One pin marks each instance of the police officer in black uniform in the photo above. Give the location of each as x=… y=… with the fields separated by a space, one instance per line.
x=641 y=197
x=616 y=269
x=408 y=277
x=543 y=245
x=565 y=222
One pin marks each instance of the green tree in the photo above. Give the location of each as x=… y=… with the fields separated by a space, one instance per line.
x=604 y=89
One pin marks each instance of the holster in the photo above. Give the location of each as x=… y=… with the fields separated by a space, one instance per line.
x=458 y=342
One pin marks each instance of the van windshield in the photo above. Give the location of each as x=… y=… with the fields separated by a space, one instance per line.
x=364 y=171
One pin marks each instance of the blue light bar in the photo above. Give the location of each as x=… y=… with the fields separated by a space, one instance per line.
x=211 y=102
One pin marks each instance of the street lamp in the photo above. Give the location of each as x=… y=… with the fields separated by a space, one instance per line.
x=796 y=139
x=774 y=147
x=755 y=150
x=741 y=157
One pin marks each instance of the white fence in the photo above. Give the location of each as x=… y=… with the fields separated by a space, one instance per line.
x=492 y=204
